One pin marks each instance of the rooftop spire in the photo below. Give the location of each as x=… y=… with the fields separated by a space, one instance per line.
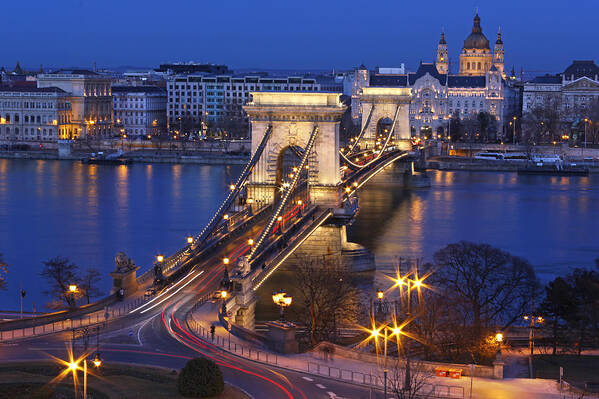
x=476 y=26
x=442 y=41
x=499 y=41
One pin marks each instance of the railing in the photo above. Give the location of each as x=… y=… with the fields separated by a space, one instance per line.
x=108 y=314
x=287 y=194
x=376 y=380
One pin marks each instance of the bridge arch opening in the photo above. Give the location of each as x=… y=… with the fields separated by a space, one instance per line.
x=288 y=162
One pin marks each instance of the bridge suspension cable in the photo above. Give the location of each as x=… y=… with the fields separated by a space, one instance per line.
x=218 y=216
x=271 y=221
x=380 y=152
x=362 y=131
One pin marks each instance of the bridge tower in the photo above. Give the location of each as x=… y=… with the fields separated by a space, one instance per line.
x=385 y=103
x=293 y=117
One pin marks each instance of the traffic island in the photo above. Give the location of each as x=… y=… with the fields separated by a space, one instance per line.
x=112 y=380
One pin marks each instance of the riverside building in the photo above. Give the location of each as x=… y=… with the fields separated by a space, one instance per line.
x=90 y=98
x=197 y=98
x=29 y=113
x=139 y=111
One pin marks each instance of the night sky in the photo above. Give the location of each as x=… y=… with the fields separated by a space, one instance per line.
x=539 y=35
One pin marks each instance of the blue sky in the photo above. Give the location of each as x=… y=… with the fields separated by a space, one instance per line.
x=538 y=35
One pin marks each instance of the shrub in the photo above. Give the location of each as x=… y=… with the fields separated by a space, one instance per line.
x=200 y=378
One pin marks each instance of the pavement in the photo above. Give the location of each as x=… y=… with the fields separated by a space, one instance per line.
x=341 y=368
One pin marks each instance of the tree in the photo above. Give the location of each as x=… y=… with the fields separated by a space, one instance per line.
x=486 y=288
x=584 y=320
x=556 y=307
x=544 y=123
x=59 y=272
x=3 y=271
x=330 y=298
x=417 y=383
x=200 y=378
x=89 y=284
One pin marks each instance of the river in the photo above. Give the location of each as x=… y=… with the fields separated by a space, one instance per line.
x=88 y=213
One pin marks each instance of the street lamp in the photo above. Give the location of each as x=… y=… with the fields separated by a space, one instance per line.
x=159 y=258
x=190 y=239
x=514 y=134
x=533 y=320
x=499 y=339
x=283 y=300
x=226 y=261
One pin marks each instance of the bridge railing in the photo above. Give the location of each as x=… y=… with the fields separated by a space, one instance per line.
x=110 y=313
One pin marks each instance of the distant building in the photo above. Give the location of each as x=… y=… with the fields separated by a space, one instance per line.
x=438 y=94
x=29 y=113
x=573 y=89
x=197 y=99
x=192 y=68
x=139 y=111
x=90 y=98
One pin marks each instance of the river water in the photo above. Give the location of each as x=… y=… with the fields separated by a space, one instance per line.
x=88 y=213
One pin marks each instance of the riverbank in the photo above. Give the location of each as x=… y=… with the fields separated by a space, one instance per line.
x=141 y=156
x=457 y=163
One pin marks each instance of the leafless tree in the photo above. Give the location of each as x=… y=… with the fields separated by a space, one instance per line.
x=544 y=123
x=3 y=271
x=486 y=289
x=59 y=273
x=89 y=284
x=329 y=297
x=418 y=385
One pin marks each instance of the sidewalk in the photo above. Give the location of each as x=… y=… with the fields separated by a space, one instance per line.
x=357 y=372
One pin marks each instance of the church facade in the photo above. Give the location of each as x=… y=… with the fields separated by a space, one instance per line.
x=438 y=95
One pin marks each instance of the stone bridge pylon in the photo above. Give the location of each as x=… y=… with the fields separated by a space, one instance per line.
x=293 y=117
x=386 y=105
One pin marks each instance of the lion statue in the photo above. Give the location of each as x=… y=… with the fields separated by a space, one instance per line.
x=123 y=262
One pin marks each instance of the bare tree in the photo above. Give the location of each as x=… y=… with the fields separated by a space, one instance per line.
x=3 y=271
x=417 y=386
x=486 y=288
x=59 y=273
x=544 y=123
x=90 y=284
x=330 y=298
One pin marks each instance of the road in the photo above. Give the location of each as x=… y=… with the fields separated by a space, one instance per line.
x=156 y=334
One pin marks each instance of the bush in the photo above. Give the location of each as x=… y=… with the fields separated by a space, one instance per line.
x=200 y=378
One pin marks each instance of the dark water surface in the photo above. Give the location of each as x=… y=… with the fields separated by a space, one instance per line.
x=551 y=221
x=90 y=212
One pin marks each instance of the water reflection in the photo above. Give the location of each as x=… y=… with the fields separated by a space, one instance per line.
x=90 y=212
x=548 y=220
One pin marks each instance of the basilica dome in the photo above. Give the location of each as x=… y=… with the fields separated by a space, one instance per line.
x=476 y=40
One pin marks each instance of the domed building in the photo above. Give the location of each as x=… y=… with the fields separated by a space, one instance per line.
x=476 y=58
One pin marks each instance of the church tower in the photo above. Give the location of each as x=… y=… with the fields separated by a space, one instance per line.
x=476 y=58
x=498 y=54
x=442 y=57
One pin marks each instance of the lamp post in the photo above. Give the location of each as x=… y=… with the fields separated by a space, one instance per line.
x=71 y=293
x=514 y=134
x=283 y=300
x=499 y=339
x=533 y=320
x=586 y=122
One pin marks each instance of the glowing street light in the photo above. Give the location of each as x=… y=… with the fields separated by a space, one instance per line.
x=226 y=261
x=283 y=300
x=72 y=288
x=190 y=239
x=160 y=258
x=250 y=242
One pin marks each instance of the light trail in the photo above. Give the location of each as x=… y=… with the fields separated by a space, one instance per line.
x=180 y=288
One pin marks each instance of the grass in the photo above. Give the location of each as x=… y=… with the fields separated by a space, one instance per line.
x=30 y=380
x=577 y=369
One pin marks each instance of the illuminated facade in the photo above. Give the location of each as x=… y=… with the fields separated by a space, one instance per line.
x=212 y=97
x=476 y=58
x=90 y=97
x=33 y=114
x=139 y=111
x=437 y=94
x=574 y=89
